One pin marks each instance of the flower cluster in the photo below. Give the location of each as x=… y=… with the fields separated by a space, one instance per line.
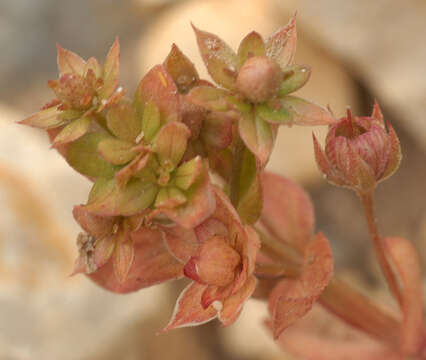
x=179 y=188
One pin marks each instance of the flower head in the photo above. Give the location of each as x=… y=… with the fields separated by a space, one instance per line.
x=359 y=151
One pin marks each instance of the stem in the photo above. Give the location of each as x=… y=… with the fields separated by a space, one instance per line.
x=367 y=200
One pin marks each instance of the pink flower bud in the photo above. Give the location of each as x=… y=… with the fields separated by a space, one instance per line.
x=259 y=79
x=359 y=151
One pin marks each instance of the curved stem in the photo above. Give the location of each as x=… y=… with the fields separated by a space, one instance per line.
x=367 y=200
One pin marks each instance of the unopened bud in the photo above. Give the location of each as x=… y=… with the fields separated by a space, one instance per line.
x=259 y=79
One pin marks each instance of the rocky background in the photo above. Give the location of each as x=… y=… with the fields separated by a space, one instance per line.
x=359 y=50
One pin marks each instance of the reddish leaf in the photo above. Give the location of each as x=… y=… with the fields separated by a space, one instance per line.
x=182 y=243
x=220 y=60
x=97 y=226
x=307 y=113
x=188 y=309
x=406 y=263
x=287 y=210
x=152 y=265
x=158 y=87
x=217 y=130
x=281 y=46
x=69 y=63
x=110 y=71
x=181 y=69
x=209 y=97
x=292 y=299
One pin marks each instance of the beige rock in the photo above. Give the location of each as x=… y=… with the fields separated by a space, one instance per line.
x=232 y=20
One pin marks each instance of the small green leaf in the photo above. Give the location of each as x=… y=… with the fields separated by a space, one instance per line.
x=278 y=115
x=151 y=121
x=73 y=131
x=45 y=119
x=170 y=144
x=123 y=122
x=220 y=60
x=170 y=197
x=101 y=189
x=84 y=157
x=257 y=135
x=110 y=71
x=188 y=173
x=294 y=78
x=115 y=151
x=252 y=45
x=181 y=69
x=135 y=197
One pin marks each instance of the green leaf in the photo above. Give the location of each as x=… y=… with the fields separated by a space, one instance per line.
x=115 y=151
x=246 y=191
x=151 y=121
x=209 y=97
x=170 y=197
x=123 y=122
x=101 y=189
x=294 y=78
x=252 y=45
x=277 y=115
x=84 y=157
x=45 y=119
x=304 y=112
x=181 y=69
x=188 y=173
x=220 y=60
x=170 y=144
x=73 y=131
x=135 y=197
x=257 y=135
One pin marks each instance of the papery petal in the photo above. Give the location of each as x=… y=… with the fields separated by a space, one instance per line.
x=214 y=263
x=294 y=78
x=287 y=211
x=181 y=243
x=281 y=46
x=170 y=144
x=132 y=199
x=110 y=71
x=158 y=87
x=188 y=310
x=45 y=119
x=69 y=62
x=124 y=255
x=123 y=123
x=97 y=226
x=84 y=157
x=257 y=135
x=233 y=305
x=220 y=60
x=181 y=69
x=293 y=298
x=304 y=112
x=116 y=151
x=73 y=131
x=251 y=45
x=152 y=265
x=406 y=263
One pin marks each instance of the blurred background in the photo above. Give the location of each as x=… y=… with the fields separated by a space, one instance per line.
x=359 y=50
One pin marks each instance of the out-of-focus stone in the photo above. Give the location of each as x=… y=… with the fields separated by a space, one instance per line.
x=232 y=20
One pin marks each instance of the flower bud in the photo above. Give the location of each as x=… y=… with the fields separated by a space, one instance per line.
x=359 y=151
x=259 y=79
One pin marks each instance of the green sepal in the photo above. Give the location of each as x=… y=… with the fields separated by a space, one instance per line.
x=274 y=113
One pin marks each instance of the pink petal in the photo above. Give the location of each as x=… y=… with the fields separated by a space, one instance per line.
x=188 y=310
x=287 y=212
x=153 y=264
